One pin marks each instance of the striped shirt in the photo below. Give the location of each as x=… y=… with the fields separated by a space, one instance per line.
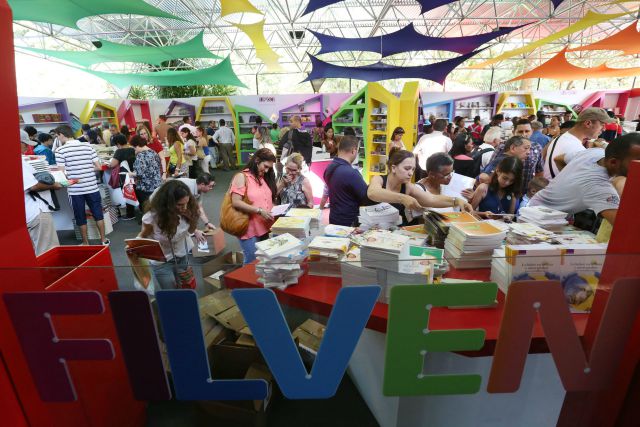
x=78 y=159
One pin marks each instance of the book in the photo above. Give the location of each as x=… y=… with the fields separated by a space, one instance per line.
x=277 y=245
x=325 y=254
x=314 y=215
x=280 y=210
x=382 y=215
x=145 y=248
x=338 y=230
x=296 y=226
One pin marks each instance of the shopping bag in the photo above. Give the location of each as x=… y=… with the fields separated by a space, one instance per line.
x=129 y=191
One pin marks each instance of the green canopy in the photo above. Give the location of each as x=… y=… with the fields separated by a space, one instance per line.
x=69 y=12
x=114 y=52
x=220 y=74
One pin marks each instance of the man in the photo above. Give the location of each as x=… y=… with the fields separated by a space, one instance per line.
x=347 y=189
x=435 y=142
x=588 y=126
x=567 y=116
x=586 y=181
x=226 y=140
x=106 y=133
x=211 y=128
x=39 y=220
x=161 y=128
x=299 y=142
x=199 y=186
x=496 y=121
x=80 y=161
x=32 y=132
x=85 y=130
x=113 y=130
x=187 y=124
x=491 y=140
x=26 y=143
x=44 y=148
x=537 y=137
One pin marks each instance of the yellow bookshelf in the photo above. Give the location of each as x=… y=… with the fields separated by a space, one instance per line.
x=96 y=112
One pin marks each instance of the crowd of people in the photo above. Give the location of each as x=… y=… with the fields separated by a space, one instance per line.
x=568 y=165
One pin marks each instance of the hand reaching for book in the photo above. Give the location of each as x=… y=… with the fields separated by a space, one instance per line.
x=411 y=203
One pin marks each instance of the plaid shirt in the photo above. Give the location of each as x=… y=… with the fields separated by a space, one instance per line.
x=532 y=165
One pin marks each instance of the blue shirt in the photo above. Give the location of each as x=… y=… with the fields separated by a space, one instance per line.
x=347 y=192
x=42 y=150
x=491 y=203
x=539 y=138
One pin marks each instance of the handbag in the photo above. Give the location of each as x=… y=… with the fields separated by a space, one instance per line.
x=232 y=220
x=185 y=278
x=129 y=191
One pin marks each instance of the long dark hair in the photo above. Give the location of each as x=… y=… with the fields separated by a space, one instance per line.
x=459 y=143
x=512 y=165
x=172 y=136
x=189 y=135
x=163 y=205
x=263 y=155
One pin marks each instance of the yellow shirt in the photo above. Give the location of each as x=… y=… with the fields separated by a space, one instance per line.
x=173 y=156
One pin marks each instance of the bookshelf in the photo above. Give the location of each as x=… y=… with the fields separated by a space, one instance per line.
x=216 y=108
x=516 y=104
x=616 y=100
x=476 y=105
x=177 y=110
x=352 y=114
x=46 y=115
x=441 y=110
x=245 y=120
x=410 y=116
x=309 y=110
x=551 y=108
x=96 y=112
x=134 y=112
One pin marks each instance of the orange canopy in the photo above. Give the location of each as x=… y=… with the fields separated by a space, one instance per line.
x=627 y=40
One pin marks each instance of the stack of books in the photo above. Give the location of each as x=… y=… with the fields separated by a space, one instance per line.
x=383 y=249
x=382 y=216
x=437 y=225
x=298 y=227
x=325 y=255
x=353 y=273
x=471 y=245
x=315 y=215
x=547 y=218
x=523 y=233
x=333 y=230
x=279 y=260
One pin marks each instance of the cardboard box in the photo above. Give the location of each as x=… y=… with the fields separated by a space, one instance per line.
x=214 y=245
x=245 y=339
x=309 y=335
x=214 y=270
x=215 y=279
x=222 y=307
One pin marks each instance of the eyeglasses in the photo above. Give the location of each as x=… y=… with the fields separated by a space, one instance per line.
x=449 y=175
x=292 y=170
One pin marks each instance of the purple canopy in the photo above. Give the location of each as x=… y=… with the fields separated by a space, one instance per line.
x=408 y=39
x=437 y=72
x=426 y=4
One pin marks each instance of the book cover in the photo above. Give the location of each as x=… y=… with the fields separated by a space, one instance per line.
x=379 y=210
x=455 y=217
x=384 y=241
x=292 y=223
x=278 y=245
x=304 y=213
x=332 y=230
x=429 y=253
x=145 y=248
x=477 y=229
x=333 y=244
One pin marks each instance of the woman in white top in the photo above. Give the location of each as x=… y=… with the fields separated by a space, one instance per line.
x=172 y=217
x=190 y=151
x=263 y=138
x=396 y=139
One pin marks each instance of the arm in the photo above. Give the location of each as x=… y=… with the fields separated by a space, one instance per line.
x=237 y=202
x=610 y=215
x=479 y=195
x=378 y=194
x=308 y=192
x=216 y=137
x=97 y=166
x=114 y=163
x=560 y=161
x=43 y=187
x=427 y=199
x=147 y=230
x=179 y=156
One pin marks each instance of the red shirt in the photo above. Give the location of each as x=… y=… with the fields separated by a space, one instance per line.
x=155 y=145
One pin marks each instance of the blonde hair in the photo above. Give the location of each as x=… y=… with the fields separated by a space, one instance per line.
x=296 y=118
x=143 y=127
x=492 y=134
x=297 y=159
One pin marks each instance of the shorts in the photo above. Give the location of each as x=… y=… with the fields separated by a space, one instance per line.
x=93 y=200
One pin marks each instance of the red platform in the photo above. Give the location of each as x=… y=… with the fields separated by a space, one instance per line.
x=318 y=294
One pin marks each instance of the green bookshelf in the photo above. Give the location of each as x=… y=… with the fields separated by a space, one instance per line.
x=245 y=120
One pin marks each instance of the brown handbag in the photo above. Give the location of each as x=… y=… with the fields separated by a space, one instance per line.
x=232 y=220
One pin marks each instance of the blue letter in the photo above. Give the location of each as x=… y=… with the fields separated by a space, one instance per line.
x=269 y=328
x=187 y=355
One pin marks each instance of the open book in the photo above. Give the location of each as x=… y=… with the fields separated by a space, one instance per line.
x=145 y=248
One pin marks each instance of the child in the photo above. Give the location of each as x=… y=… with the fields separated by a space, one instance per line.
x=535 y=185
x=502 y=195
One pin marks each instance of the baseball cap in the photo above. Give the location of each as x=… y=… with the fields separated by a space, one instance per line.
x=594 y=113
x=24 y=137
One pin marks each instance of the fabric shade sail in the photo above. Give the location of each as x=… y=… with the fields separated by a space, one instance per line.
x=558 y=68
x=220 y=74
x=627 y=40
x=263 y=51
x=407 y=39
x=437 y=72
x=114 y=52
x=588 y=20
x=229 y=7
x=425 y=5
x=69 y=12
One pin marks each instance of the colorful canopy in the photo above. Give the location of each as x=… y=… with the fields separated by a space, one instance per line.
x=263 y=51
x=407 y=39
x=425 y=4
x=229 y=7
x=114 y=52
x=69 y=12
x=558 y=68
x=627 y=40
x=220 y=74
x=437 y=72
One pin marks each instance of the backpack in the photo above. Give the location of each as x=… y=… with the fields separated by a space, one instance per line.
x=477 y=159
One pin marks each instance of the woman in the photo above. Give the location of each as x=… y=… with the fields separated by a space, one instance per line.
x=171 y=219
x=502 y=195
x=294 y=188
x=460 y=126
x=176 y=158
x=123 y=160
x=263 y=136
x=153 y=143
x=190 y=152
x=318 y=134
x=258 y=182
x=476 y=129
x=147 y=169
x=329 y=142
x=124 y=129
x=203 y=153
x=461 y=150
x=401 y=166
x=92 y=137
x=396 y=139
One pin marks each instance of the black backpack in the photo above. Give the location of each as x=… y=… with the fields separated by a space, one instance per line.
x=477 y=159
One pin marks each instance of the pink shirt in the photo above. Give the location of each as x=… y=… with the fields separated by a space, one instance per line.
x=259 y=195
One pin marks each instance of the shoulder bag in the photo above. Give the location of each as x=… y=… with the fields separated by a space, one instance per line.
x=185 y=278
x=232 y=220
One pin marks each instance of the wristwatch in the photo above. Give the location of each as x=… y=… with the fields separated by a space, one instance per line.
x=259 y=211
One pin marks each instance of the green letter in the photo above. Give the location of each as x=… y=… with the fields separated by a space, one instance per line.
x=409 y=338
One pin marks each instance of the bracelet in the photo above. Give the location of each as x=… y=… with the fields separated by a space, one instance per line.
x=259 y=211
x=453 y=205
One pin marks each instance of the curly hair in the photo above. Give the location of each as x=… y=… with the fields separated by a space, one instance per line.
x=263 y=155
x=164 y=206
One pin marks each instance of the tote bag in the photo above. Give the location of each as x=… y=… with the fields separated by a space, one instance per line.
x=232 y=220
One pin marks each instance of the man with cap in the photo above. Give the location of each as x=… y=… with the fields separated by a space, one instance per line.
x=26 y=143
x=588 y=126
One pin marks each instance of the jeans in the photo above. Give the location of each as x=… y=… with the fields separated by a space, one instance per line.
x=165 y=273
x=249 y=247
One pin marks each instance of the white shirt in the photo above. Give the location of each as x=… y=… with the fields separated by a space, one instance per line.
x=435 y=142
x=486 y=157
x=181 y=241
x=224 y=135
x=78 y=160
x=32 y=207
x=268 y=145
x=191 y=128
x=567 y=144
